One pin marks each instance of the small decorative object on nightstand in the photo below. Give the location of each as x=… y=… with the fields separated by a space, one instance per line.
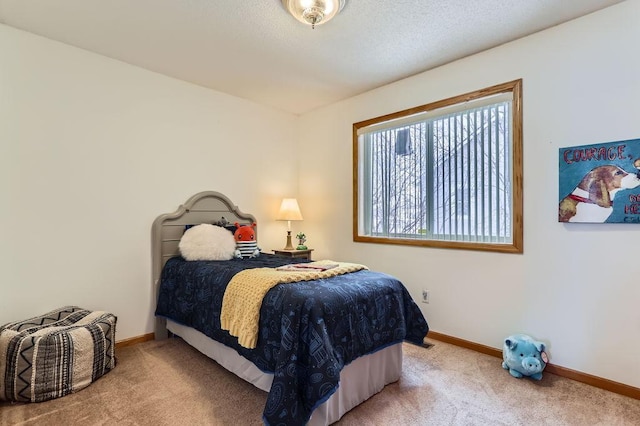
x=303 y=254
x=301 y=239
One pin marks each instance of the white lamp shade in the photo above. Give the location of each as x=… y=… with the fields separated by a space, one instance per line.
x=289 y=210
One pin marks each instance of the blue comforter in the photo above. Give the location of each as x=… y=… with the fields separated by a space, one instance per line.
x=308 y=331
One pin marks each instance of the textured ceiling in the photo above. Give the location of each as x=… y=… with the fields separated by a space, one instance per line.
x=255 y=50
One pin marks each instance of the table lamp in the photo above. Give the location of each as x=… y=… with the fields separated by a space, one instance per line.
x=289 y=211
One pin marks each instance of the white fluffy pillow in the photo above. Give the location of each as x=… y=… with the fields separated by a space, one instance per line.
x=207 y=242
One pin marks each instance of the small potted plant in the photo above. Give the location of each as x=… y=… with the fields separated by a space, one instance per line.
x=301 y=239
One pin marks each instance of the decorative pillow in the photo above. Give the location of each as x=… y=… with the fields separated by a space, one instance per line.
x=246 y=244
x=207 y=242
x=229 y=227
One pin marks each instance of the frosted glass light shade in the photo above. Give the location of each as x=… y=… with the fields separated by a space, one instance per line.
x=313 y=12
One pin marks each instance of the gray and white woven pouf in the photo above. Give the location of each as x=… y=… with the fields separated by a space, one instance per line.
x=55 y=354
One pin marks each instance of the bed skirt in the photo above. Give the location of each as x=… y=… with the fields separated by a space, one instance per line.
x=359 y=380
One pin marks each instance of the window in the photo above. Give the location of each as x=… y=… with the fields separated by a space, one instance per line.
x=446 y=174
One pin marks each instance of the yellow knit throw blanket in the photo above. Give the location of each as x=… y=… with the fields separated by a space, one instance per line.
x=243 y=297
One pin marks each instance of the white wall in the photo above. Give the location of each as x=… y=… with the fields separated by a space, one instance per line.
x=92 y=150
x=575 y=287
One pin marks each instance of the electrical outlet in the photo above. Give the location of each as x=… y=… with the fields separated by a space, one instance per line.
x=425 y=296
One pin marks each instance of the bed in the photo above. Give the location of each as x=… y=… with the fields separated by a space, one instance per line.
x=324 y=346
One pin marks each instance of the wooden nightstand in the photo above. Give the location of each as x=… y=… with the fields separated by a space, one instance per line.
x=306 y=254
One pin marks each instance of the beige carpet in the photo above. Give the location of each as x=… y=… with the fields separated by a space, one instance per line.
x=169 y=383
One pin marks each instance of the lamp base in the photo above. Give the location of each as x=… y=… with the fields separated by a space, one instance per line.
x=289 y=246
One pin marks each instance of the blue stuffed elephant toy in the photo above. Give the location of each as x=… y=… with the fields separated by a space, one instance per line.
x=523 y=356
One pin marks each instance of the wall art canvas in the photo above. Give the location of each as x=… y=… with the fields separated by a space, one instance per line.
x=600 y=183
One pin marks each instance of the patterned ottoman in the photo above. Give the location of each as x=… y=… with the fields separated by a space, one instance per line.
x=55 y=354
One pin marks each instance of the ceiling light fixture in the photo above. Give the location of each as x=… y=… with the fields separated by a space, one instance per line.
x=313 y=12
